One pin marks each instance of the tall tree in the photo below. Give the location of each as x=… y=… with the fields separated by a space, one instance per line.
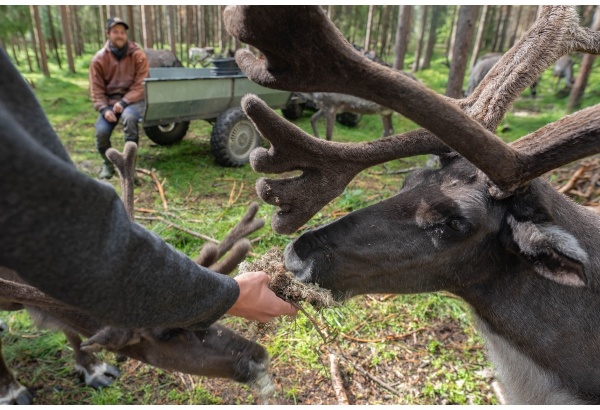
x=436 y=12
x=584 y=71
x=479 y=36
x=466 y=21
x=421 y=38
x=189 y=30
x=505 y=24
x=452 y=36
x=384 y=29
x=35 y=11
x=171 y=27
x=513 y=37
x=369 y=27
x=147 y=27
x=66 y=28
x=53 y=40
x=131 y=23
x=402 y=36
x=498 y=27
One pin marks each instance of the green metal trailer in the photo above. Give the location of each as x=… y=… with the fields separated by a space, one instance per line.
x=176 y=96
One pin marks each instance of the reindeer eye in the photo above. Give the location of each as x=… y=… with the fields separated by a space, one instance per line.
x=455 y=224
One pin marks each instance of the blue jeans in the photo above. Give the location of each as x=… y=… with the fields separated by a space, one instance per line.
x=130 y=118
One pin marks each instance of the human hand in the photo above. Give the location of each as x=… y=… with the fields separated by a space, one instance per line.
x=118 y=108
x=256 y=301
x=110 y=116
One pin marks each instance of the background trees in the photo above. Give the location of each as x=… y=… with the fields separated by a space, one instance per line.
x=407 y=37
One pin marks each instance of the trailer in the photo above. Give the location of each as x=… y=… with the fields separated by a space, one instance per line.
x=176 y=96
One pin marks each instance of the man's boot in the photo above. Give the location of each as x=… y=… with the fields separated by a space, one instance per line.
x=108 y=169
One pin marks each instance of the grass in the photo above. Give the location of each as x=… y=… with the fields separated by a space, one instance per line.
x=435 y=355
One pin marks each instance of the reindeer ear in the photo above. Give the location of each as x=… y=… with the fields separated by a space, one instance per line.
x=553 y=252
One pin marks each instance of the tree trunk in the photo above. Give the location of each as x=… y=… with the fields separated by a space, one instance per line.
x=24 y=40
x=180 y=20
x=101 y=27
x=421 y=37
x=498 y=27
x=479 y=36
x=385 y=26
x=64 y=17
x=452 y=37
x=369 y=27
x=513 y=37
x=505 y=24
x=40 y=39
x=584 y=72
x=171 y=28
x=432 y=37
x=53 y=36
x=131 y=22
x=34 y=39
x=189 y=30
x=466 y=21
x=402 y=36
x=147 y=27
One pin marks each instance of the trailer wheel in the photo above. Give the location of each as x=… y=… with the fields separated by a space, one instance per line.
x=167 y=134
x=349 y=119
x=233 y=138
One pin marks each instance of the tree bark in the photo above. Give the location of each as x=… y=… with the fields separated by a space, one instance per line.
x=171 y=28
x=505 y=24
x=34 y=39
x=402 y=36
x=585 y=69
x=147 y=27
x=513 y=37
x=385 y=29
x=66 y=27
x=40 y=39
x=498 y=26
x=369 y=27
x=479 y=36
x=131 y=22
x=432 y=36
x=421 y=39
x=466 y=21
x=53 y=40
x=452 y=37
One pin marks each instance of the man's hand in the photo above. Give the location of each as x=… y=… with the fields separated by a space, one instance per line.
x=257 y=301
x=110 y=116
x=118 y=108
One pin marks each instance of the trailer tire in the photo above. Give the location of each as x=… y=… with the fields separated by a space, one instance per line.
x=233 y=137
x=349 y=119
x=167 y=134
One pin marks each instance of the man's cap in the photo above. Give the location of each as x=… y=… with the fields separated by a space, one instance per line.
x=113 y=21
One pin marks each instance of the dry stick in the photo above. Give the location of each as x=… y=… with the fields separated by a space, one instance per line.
x=174 y=225
x=158 y=185
x=383 y=339
x=356 y=366
x=336 y=379
x=572 y=180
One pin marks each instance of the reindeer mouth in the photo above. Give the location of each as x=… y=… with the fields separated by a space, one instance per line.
x=301 y=269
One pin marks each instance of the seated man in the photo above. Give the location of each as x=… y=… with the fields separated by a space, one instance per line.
x=117 y=73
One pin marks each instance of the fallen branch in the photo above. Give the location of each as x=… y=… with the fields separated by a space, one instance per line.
x=567 y=187
x=159 y=186
x=336 y=380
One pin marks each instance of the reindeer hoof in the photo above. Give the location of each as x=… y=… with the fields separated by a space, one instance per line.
x=15 y=393
x=99 y=375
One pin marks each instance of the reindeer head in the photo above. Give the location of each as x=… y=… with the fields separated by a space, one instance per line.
x=484 y=189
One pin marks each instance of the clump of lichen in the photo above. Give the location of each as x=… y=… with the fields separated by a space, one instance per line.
x=284 y=284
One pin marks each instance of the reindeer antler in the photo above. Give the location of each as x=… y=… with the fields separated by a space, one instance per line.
x=336 y=67
x=125 y=164
x=235 y=242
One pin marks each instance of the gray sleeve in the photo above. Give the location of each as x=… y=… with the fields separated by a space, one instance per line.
x=69 y=235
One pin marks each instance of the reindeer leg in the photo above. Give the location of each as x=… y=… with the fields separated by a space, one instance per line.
x=388 y=127
x=96 y=374
x=313 y=121
x=11 y=391
x=330 y=123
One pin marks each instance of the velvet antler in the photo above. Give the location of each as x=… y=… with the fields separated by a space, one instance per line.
x=235 y=244
x=290 y=36
x=125 y=164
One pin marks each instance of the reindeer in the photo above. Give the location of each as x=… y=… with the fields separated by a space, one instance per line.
x=162 y=58
x=483 y=226
x=563 y=70
x=200 y=56
x=214 y=352
x=330 y=104
x=482 y=66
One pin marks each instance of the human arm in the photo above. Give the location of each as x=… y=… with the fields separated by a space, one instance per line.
x=97 y=86
x=69 y=235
